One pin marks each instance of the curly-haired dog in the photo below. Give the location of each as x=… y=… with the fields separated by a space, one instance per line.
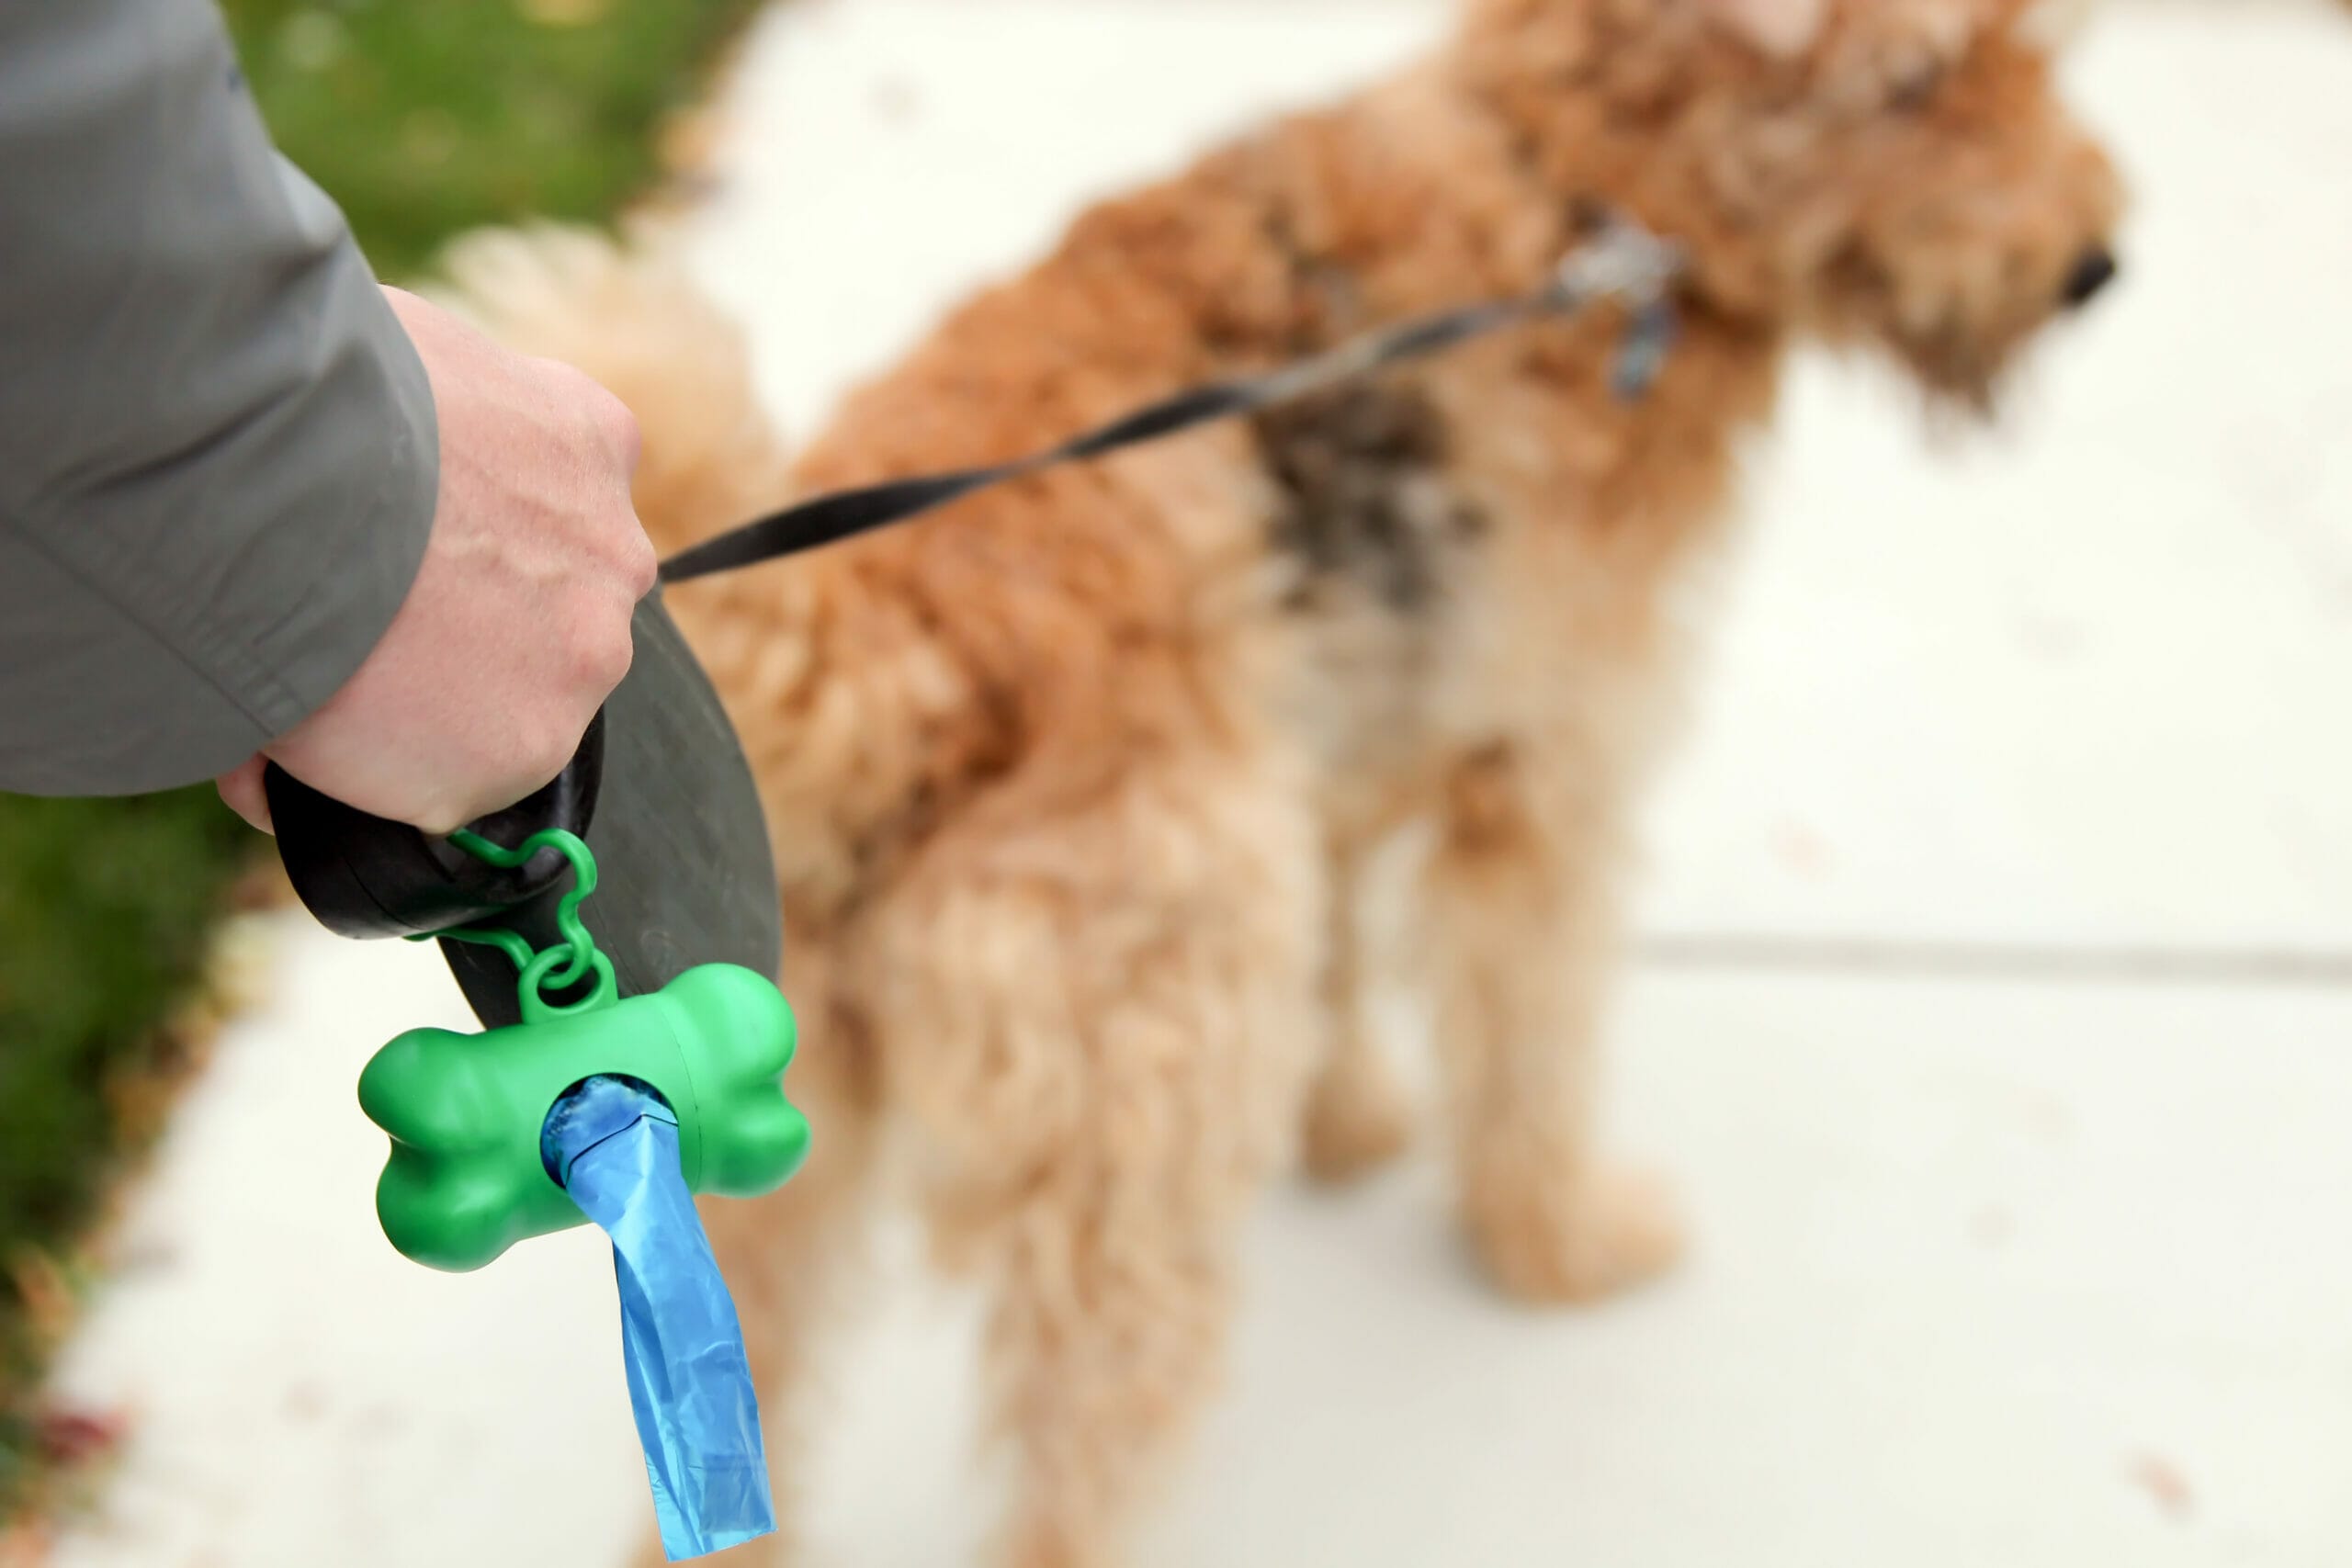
x=1071 y=787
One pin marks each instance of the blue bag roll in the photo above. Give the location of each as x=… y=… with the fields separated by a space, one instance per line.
x=611 y=1143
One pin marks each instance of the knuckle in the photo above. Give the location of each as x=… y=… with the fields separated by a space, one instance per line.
x=621 y=429
x=614 y=661
x=602 y=650
x=641 y=563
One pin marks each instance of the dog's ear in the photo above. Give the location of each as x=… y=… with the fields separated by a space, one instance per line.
x=1780 y=28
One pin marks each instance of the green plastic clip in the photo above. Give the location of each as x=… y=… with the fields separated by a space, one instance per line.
x=466 y=1178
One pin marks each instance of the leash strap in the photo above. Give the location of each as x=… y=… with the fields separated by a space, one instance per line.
x=1621 y=261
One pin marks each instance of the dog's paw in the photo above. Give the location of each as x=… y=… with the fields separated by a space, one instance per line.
x=1615 y=1229
x=1358 y=1120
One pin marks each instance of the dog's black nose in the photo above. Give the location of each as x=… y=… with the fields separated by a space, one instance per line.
x=2094 y=270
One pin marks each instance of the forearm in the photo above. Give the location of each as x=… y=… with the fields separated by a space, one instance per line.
x=217 y=446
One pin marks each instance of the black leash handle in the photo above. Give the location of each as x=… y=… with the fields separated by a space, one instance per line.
x=1621 y=262
x=363 y=877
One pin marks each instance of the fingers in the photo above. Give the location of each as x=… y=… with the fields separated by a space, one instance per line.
x=242 y=791
x=517 y=626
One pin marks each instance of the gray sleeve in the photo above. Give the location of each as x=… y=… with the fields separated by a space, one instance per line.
x=216 y=449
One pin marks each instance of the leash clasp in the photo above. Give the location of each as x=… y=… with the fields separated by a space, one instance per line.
x=1625 y=261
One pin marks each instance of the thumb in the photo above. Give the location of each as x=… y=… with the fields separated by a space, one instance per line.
x=241 y=791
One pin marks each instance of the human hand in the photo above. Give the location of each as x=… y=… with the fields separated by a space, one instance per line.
x=517 y=626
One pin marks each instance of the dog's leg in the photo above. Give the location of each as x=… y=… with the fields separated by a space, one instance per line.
x=1101 y=1023
x=1358 y=1116
x=1113 y=1296
x=1523 y=932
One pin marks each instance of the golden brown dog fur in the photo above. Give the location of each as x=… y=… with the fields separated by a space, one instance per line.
x=1071 y=787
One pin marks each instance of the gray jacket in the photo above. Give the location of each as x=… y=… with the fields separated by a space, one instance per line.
x=216 y=449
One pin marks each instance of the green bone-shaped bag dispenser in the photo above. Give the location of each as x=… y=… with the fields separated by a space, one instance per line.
x=468 y=1178
x=467 y=1181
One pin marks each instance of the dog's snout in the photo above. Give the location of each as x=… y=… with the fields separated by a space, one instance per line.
x=2094 y=270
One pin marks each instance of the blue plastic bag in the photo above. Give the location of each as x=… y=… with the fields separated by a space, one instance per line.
x=613 y=1144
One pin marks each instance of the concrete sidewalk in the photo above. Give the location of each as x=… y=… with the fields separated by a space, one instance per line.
x=2020 y=797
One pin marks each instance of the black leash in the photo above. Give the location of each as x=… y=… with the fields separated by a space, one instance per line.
x=1621 y=262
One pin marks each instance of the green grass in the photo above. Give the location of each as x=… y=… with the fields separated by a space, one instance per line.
x=426 y=116
x=106 y=907
x=423 y=118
